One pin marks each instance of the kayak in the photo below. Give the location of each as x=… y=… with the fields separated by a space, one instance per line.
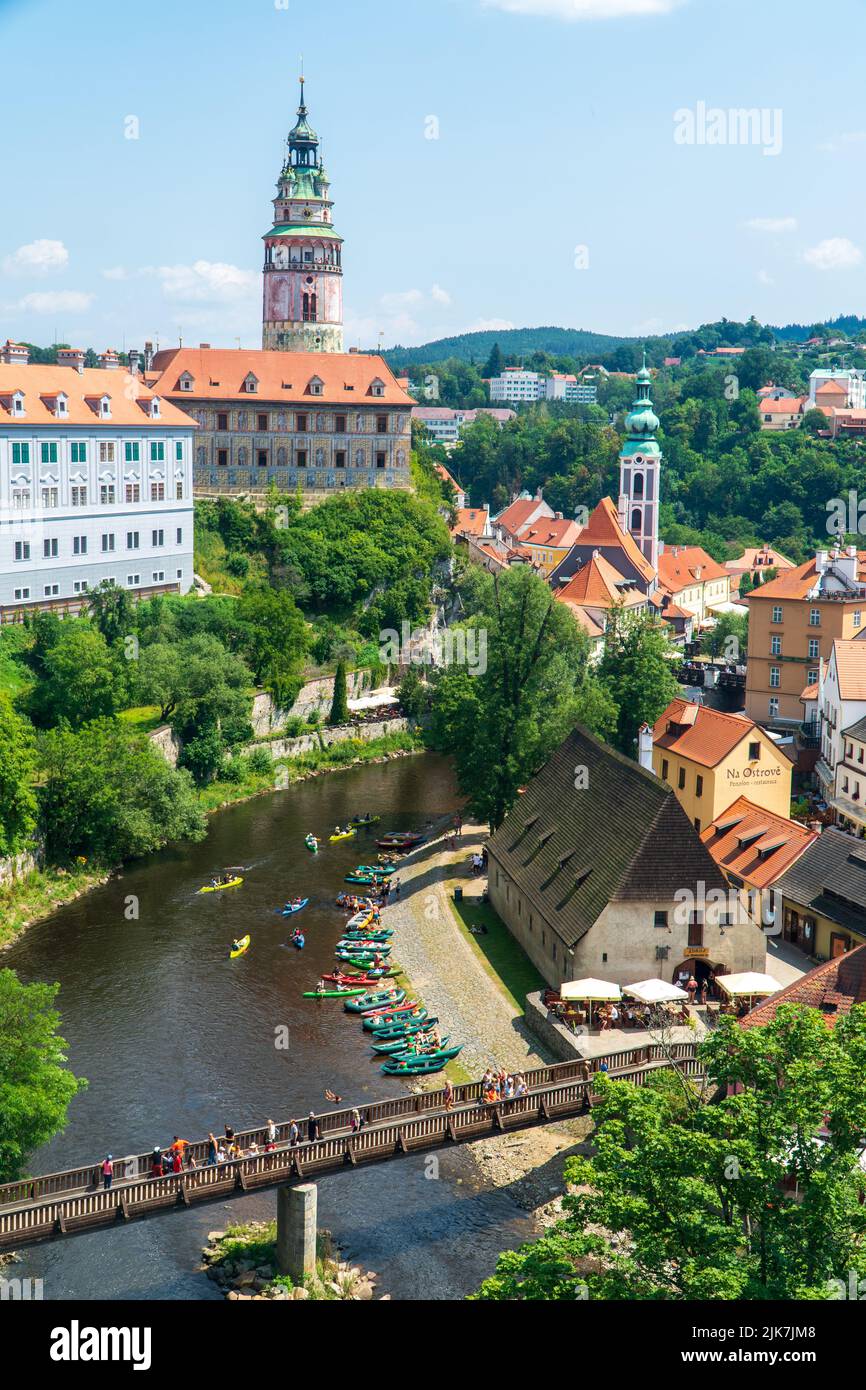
x=361 y=962
x=218 y=887
x=342 y=835
x=330 y=993
x=299 y=941
x=365 y=820
x=360 y=878
x=443 y=1053
x=378 y=870
x=364 y=943
x=360 y=919
x=394 y=1025
x=243 y=944
x=291 y=908
x=384 y=998
x=420 y=1066
x=394 y=1013
x=398 y=1044
x=383 y=934
x=360 y=981
x=312 y=844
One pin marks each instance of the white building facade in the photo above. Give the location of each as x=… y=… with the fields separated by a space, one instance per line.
x=95 y=484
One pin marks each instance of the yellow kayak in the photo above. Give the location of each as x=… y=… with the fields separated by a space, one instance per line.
x=343 y=835
x=244 y=945
x=218 y=887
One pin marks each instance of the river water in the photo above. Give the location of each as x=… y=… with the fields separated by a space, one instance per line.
x=175 y=1038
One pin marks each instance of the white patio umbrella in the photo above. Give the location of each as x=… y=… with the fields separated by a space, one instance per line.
x=596 y=990
x=655 y=992
x=748 y=984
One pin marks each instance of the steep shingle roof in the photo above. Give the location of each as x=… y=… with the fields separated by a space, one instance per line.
x=830 y=878
x=219 y=374
x=699 y=733
x=732 y=842
x=833 y=987
x=619 y=834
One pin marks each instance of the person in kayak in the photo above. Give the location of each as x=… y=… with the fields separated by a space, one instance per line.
x=320 y=987
x=236 y=945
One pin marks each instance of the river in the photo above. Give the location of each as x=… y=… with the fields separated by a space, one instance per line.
x=175 y=1038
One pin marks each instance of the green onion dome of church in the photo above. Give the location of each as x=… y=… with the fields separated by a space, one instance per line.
x=642 y=421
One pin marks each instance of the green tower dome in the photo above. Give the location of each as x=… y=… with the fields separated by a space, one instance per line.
x=642 y=421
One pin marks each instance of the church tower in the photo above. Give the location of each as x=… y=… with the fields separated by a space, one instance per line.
x=640 y=472
x=302 y=305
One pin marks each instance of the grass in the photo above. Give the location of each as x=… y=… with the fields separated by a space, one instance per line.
x=141 y=719
x=504 y=960
x=40 y=893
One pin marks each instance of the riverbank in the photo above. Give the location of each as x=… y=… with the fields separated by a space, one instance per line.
x=31 y=899
x=242 y=1262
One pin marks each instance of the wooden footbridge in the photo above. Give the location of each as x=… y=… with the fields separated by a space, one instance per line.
x=72 y=1202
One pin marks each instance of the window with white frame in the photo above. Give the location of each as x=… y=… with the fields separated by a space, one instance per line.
x=50 y=548
x=775 y=677
x=106 y=451
x=132 y=540
x=107 y=494
x=22 y=550
x=775 y=646
x=50 y=497
x=157 y=492
x=107 y=542
x=22 y=594
x=78 y=495
x=132 y=492
x=814 y=648
x=79 y=545
x=814 y=617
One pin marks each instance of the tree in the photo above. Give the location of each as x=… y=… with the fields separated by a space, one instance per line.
x=703 y=1189
x=729 y=637
x=274 y=639
x=637 y=673
x=35 y=1087
x=340 y=703
x=412 y=694
x=79 y=679
x=523 y=685
x=17 y=778
x=111 y=610
x=109 y=796
x=161 y=676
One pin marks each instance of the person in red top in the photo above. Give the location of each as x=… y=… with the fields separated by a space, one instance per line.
x=177 y=1161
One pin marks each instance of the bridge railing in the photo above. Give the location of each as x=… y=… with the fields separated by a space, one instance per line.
x=88 y=1177
x=561 y=1094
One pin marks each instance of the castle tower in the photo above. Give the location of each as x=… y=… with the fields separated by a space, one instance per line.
x=640 y=472
x=302 y=304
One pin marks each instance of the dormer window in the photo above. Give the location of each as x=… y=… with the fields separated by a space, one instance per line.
x=154 y=411
x=377 y=388
x=105 y=407
x=185 y=381
x=251 y=383
x=18 y=403
x=316 y=386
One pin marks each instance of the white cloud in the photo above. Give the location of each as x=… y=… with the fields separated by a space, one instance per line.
x=37 y=258
x=397 y=299
x=206 y=281
x=772 y=224
x=835 y=253
x=116 y=272
x=56 y=302
x=584 y=9
x=439 y=295
x=840 y=142
x=488 y=326
x=765 y=278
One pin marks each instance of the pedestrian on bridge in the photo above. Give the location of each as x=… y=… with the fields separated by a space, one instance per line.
x=449 y=1094
x=107 y=1172
x=312 y=1129
x=212 y=1150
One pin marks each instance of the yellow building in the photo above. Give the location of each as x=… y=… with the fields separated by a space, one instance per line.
x=710 y=759
x=793 y=622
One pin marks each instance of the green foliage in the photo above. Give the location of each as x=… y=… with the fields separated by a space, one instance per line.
x=699 y=1190
x=413 y=694
x=78 y=677
x=35 y=1087
x=109 y=796
x=17 y=776
x=503 y=721
x=111 y=610
x=637 y=673
x=729 y=638
x=340 y=702
x=273 y=639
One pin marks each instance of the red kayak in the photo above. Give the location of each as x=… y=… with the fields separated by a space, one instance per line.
x=354 y=981
x=391 y=1009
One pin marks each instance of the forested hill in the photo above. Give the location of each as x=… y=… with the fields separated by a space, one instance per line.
x=513 y=342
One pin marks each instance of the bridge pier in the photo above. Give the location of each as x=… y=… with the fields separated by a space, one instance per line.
x=297 y=1213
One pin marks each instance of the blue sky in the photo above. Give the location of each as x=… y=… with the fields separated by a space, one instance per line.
x=569 y=182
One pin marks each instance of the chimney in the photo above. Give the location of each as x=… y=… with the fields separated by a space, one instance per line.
x=205 y=347
x=821 y=561
x=15 y=354
x=108 y=360
x=71 y=357
x=148 y=356
x=134 y=361
x=557 y=516
x=538 y=496
x=622 y=509
x=645 y=747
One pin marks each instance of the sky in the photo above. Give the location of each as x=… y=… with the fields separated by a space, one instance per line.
x=493 y=163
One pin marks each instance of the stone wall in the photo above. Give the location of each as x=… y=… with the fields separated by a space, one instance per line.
x=20 y=865
x=554 y=1035
x=167 y=742
x=309 y=743
x=315 y=695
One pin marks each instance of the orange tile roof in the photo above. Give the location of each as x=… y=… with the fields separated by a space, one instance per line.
x=786 y=405
x=518 y=513
x=597 y=584
x=447 y=477
x=796 y=583
x=590 y=625
x=603 y=529
x=470 y=521
x=832 y=387
x=219 y=374
x=769 y=559
x=41 y=383
x=558 y=532
x=763 y=859
x=709 y=737
x=851 y=668
x=678 y=568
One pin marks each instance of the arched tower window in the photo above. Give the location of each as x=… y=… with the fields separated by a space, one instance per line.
x=638 y=484
x=636 y=520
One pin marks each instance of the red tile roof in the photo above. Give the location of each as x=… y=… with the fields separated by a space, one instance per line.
x=41 y=383
x=219 y=374
x=833 y=988
x=796 y=583
x=603 y=529
x=558 y=532
x=598 y=585
x=519 y=513
x=679 y=567
x=470 y=521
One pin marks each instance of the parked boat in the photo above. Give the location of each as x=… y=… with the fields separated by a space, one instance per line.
x=409 y=1011
x=384 y=934
x=365 y=981
x=421 y=1066
x=367 y=879
x=291 y=908
x=384 y=998
x=361 y=962
x=388 y=1026
x=330 y=993
x=358 y=921
x=243 y=945
x=377 y=870
x=443 y=1053
x=395 y=1045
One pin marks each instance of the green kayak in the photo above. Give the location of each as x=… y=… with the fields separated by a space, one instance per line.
x=377 y=870
x=360 y=878
x=331 y=993
x=422 y=1066
x=377 y=1000
x=387 y=1032
x=399 y=1044
x=443 y=1054
x=365 y=820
